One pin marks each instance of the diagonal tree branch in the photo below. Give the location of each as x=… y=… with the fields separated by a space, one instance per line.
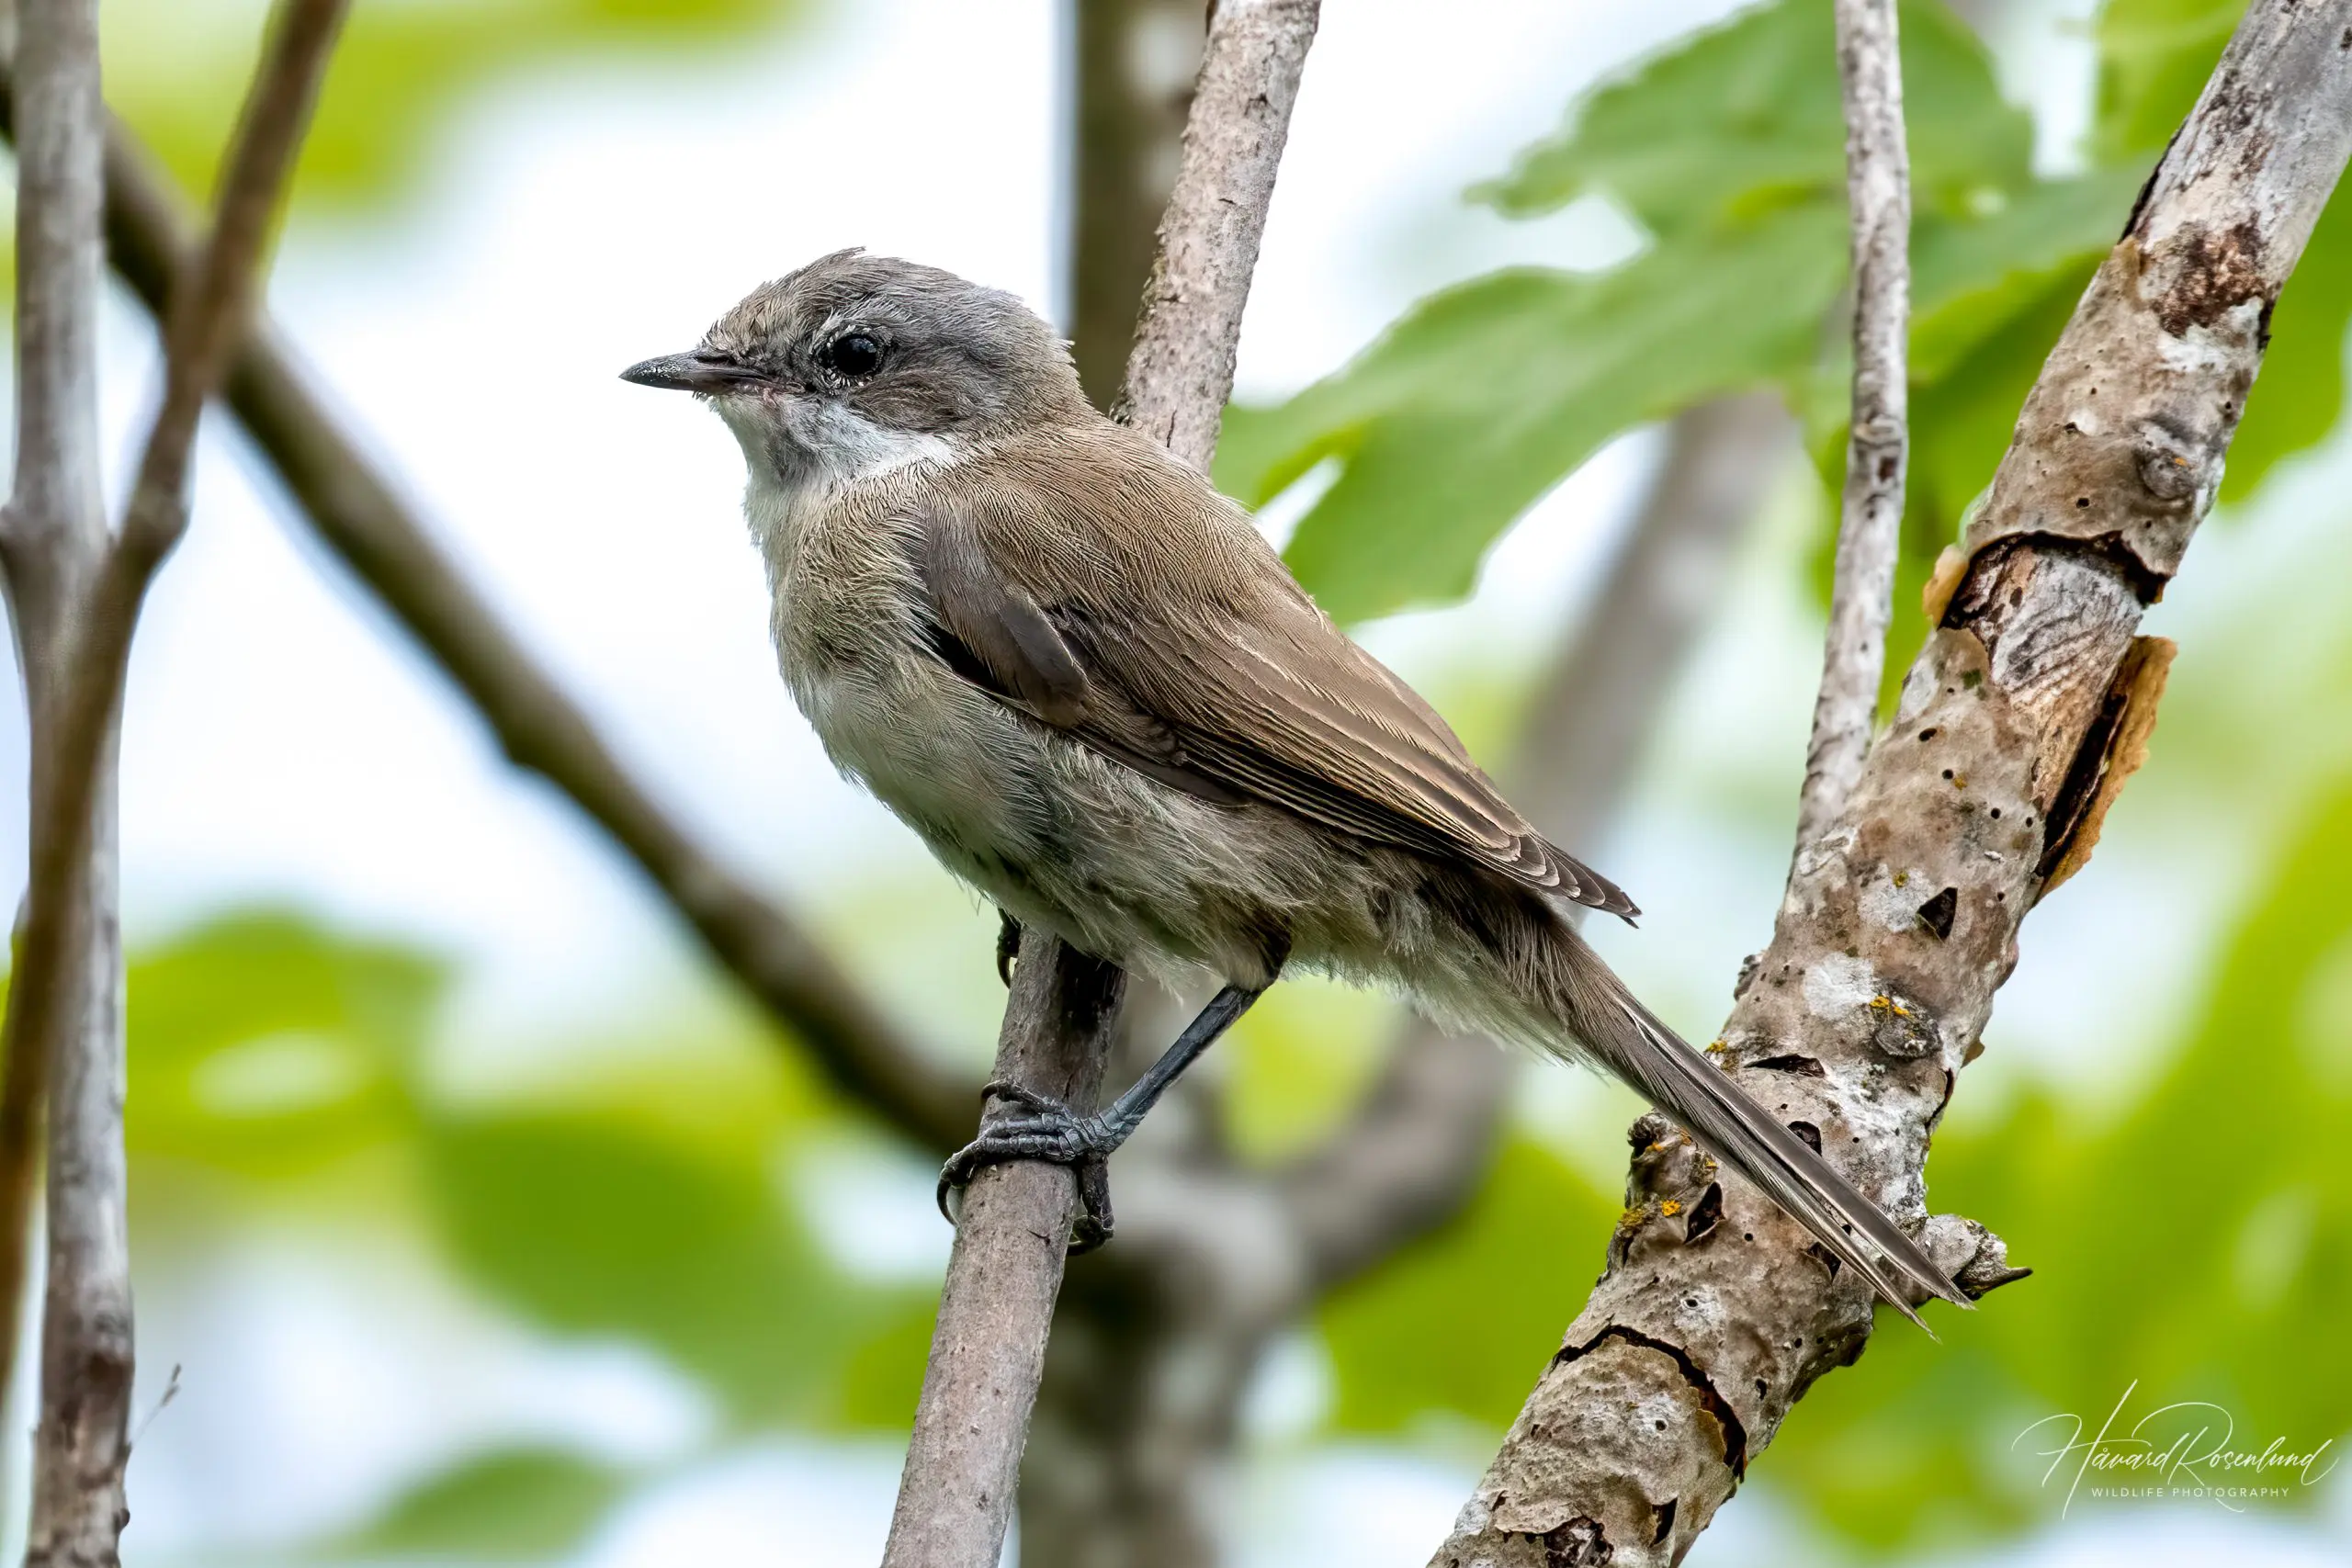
x=360 y=515
x=1415 y=1152
x=1878 y=194
x=956 y=1493
x=81 y=589
x=2016 y=728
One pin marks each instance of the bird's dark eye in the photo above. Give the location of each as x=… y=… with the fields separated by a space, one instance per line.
x=854 y=355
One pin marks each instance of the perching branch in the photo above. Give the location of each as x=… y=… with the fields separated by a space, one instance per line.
x=956 y=1493
x=360 y=515
x=74 y=591
x=1878 y=187
x=2018 y=725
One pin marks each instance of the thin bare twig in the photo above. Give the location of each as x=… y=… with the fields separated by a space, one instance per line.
x=360 y=515
x=65 y=998
x=1878 y=189
x=956 y=1493
x=2020 y=720
x=81 y=589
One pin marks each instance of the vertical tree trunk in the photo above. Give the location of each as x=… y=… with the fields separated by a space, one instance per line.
x=1135 y=62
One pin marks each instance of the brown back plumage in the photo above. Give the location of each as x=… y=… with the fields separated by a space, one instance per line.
x=1186 y=650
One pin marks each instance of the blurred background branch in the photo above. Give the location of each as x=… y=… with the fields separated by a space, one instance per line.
x=357 y=512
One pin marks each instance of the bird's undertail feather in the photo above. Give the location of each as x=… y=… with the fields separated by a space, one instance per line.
x=1613 y=1025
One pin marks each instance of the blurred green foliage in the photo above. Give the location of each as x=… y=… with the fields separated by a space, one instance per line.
x=177 y=74
x=645 y=1195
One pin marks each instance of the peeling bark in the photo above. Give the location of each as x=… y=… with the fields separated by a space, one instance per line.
x=1901 y=920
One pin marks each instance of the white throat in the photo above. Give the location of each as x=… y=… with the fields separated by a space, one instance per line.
x=833 y=450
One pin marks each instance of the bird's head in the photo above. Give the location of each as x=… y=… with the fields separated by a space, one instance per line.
x=858 y=362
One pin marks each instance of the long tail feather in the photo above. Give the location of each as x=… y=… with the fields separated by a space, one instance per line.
x=1725 y=1122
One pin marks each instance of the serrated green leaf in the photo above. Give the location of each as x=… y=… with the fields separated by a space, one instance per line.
x=515 y=1504
x=1746 y=116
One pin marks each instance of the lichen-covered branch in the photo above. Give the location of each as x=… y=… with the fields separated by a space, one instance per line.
x=1901 y=918
x=956 y=1493
x=1878 y=194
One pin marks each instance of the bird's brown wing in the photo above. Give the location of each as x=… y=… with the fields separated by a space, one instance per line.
x=1231 y=689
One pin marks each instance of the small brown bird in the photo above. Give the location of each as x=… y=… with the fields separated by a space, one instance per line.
x=1077 y=672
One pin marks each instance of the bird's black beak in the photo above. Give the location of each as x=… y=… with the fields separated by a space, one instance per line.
x=703 y=370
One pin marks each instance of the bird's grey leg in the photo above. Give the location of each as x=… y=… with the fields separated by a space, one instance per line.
x=1049 y=1131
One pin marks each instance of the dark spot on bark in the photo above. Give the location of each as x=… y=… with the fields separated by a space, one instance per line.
x=1705 y=1215
x=1937 y=913
x=1947 y=772
x=1579 y=1543
x=2082 y=501
x=1808 y=1132
x=1663 y=1525
x=1996 y=814
x=2217 y=273
x=1809 y=1065
x=1928 y=733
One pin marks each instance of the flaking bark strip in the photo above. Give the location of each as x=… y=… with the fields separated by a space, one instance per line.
x=2114 y=750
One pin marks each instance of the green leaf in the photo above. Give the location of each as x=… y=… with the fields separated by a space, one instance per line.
x=1746 y=116
x=1515 y=1263
x=515 y=1504
x=1482 y=398
x=1731 y=150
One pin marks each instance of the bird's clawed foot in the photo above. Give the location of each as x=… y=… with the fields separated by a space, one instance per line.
x=1008 y=946
x=1044 y=1130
